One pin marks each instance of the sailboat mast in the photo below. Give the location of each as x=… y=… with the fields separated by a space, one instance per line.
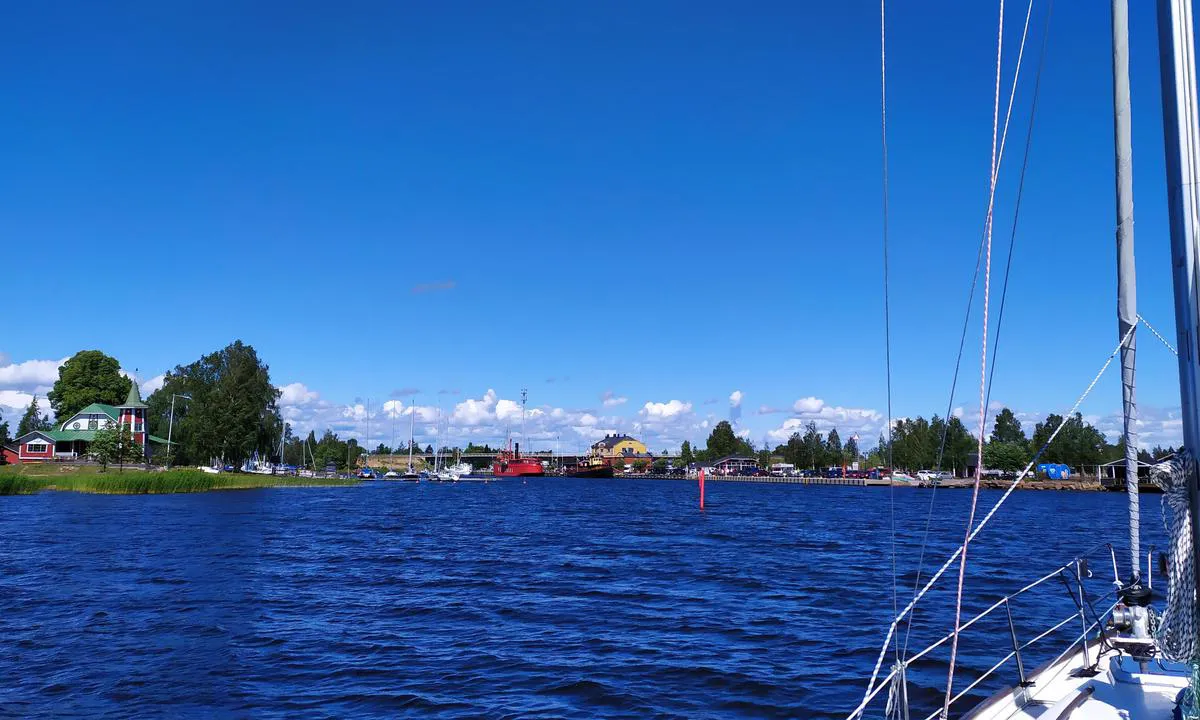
x=1126 y=274
x=412 y=419
x=1177 y=63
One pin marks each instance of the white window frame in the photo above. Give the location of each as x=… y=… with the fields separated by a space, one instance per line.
x=37 y=448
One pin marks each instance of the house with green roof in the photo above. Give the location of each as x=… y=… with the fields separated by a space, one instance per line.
x=69 y=440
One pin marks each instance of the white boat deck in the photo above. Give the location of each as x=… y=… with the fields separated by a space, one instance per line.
x=1121 y=690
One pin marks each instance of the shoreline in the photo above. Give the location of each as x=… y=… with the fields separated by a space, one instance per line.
x=1082 y=485
x=142 y=482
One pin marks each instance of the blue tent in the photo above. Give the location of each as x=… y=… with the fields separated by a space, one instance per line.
x=1054 y=471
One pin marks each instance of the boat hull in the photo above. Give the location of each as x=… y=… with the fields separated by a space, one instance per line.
x=517 y=468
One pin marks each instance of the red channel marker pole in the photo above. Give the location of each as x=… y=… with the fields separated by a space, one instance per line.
x=702 y=489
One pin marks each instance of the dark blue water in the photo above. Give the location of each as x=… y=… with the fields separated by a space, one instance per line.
x=555 y=598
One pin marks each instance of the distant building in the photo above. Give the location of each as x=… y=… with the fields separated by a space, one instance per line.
x=620 y=450
x=70 y=439
x=733 y=465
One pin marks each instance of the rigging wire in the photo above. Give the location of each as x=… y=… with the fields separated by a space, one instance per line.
x=1158 y=335
x=987 y=281
x=1012 y=239
x=887 y=323
x=975 y=278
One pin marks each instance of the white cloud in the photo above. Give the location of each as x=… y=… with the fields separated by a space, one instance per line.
x=808 y=405
x=610 y=399
x=32 y=375
x=393 y=409
x=475 y=412
x=508 y=410
x=865 y=422
x=735 y=398
x=152 y=385
x=784 y=431
x=296 y=394
x=665 y=410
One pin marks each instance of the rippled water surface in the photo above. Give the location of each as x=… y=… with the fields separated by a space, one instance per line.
x=552 y=598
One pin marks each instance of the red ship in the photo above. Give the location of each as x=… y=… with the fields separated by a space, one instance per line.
x=509 y=463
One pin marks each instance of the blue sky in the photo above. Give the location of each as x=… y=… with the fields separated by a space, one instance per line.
x=666 y=202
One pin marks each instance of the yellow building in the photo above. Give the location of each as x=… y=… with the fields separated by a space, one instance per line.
x=620 y=449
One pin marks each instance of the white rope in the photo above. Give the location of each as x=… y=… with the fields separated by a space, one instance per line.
x=1158 y=335
x=897 y=701
x=1177 y=627
x=987 y=286
x=979 y=528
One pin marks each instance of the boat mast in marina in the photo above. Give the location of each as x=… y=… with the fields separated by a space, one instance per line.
x=412 y=419
x=524 y=397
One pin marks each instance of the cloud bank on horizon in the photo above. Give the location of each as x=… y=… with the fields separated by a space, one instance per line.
x=488 y=418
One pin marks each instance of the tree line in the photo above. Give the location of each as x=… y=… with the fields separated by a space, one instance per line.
x=918 y=444
x=937 y=443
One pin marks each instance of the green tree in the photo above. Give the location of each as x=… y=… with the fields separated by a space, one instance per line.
x=1007 y=456
x=833 y=448
x=382 y=449
x=851 y=451
x=1081 y=443
x=33 y=419
x=232 y=413
x=915 y=443
x=959 y=446
x=89 y=376
x=105 y=446
x=1041 y=435
x=814 y=446
x=878 y=455
x=659 y=466
x=722 y=442
x=115 y=444
x=685 y=453
x=354 y=451
x=1007 y=429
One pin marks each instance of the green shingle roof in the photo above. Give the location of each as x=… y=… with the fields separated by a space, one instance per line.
x=95 y=408
x=135 y=397
x=68 y=435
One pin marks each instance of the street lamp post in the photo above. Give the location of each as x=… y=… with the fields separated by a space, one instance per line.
x=171 y=427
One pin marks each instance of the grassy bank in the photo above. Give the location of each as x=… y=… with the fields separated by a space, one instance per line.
x=25 y=480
